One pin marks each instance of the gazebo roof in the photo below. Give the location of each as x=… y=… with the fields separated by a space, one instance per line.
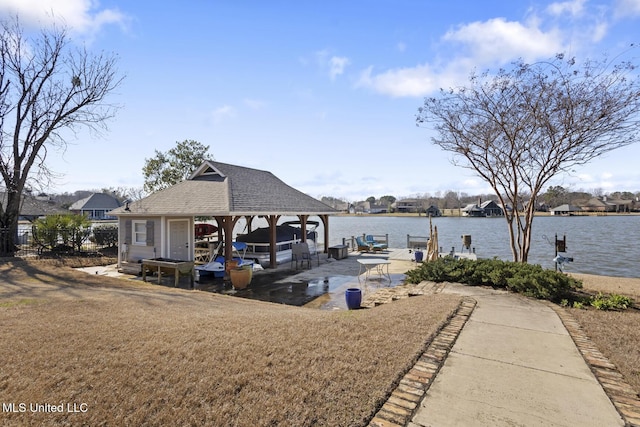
x=221 y=189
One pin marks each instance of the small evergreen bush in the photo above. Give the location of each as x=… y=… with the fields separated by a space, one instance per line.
x=528 y=279
x=105 y=235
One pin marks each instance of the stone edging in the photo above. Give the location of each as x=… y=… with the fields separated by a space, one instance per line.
x=404 y=400
x=623 y=397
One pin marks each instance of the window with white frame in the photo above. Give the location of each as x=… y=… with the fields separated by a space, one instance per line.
x=139 y=230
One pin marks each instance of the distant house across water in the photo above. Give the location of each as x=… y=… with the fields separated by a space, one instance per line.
x=606 y=204
x=369 y=208
x=413 y=205
x=566 y=209
x=488 y=208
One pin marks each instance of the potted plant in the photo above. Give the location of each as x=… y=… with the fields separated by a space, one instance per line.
x=241 y=276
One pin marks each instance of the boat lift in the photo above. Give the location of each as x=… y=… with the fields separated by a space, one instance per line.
x=561 y=260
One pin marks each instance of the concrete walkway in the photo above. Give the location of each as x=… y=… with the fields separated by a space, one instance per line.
x=513 y=364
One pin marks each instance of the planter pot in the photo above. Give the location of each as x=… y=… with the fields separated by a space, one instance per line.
x=419 y=255
x=353 y=297
x=240 y=277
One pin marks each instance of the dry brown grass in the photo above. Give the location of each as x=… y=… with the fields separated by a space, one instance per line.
x=615 y=333
x=139 y=354
x=610 y=285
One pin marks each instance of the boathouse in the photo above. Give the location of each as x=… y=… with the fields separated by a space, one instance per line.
x=162 y=224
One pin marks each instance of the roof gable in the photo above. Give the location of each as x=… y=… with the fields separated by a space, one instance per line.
x=489 y=204
x=206 y=170
x=96 y=201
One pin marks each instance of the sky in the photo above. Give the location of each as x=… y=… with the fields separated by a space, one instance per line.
x=323 y=94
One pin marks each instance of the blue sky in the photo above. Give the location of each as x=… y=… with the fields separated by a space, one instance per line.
x=322 y=94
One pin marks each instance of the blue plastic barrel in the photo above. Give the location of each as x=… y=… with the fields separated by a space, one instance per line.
x=419 y=255
x=354 y=298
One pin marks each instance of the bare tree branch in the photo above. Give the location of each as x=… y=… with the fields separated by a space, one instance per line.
x=46 y=86
x=524 y=125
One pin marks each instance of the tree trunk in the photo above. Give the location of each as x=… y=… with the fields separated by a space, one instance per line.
x=513 y=240
x=526 y=237
x=9 y=224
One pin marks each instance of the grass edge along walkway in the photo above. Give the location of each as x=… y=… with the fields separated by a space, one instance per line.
x=621 y=394
x=401 y=405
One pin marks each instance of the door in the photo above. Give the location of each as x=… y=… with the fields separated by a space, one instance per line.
x=179 y=240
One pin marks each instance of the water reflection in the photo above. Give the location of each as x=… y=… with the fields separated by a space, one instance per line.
x=274 y=287
x=324 y=293
x=603 y=245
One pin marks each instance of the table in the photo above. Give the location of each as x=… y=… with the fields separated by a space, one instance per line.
x=338 y=251
x=161 y=265
x=369 y=264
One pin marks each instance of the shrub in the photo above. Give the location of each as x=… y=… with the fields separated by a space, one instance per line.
x=105 y=235
x=611 y=302
x=62 y=231
x=45 y=231
x=529 y=279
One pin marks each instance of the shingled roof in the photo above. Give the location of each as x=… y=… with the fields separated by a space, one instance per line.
x=221 y=189
x=95 y=201
x=32 y=207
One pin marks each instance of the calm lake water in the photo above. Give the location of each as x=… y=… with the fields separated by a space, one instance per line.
x=603 y=245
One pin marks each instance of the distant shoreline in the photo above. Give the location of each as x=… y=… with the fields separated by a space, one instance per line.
x=450 y=215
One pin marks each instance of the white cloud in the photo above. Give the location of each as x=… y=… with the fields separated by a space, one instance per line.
x=81 y=16
x=625 y=8
x=414 y=81
x=599 y=31
x=590 y=25
x=222 y=113
x=337 y=65
x=574 y=8
x=485 y=44
x=401 y=47
x=585 y=177
x=500 y=40
x=334 y=64
x=417 y=81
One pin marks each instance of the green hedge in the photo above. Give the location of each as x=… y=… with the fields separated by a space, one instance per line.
x=105 y=235
x=528 y=279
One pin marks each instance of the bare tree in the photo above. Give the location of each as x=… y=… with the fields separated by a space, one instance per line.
x=47 y=86
x=524 y=125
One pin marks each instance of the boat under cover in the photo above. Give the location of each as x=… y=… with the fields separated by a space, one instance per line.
x=286 y=235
